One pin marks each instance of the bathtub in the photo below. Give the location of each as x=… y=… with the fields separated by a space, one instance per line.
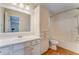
x=72 y=45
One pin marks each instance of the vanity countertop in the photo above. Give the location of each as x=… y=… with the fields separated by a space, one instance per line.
x=9 y=41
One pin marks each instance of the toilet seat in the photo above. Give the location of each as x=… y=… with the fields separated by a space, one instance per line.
x=54 y=42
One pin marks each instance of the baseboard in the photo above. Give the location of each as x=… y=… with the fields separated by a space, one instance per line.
x=68 y=50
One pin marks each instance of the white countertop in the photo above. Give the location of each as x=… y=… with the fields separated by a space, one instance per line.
x=9 y=41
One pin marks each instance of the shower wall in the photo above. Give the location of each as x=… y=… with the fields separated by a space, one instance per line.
x=64 y=28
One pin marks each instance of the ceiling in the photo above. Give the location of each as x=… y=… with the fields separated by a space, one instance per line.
x=56 y=8
x=59 y=7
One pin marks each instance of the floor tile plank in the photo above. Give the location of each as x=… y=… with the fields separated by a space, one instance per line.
x=59 y=51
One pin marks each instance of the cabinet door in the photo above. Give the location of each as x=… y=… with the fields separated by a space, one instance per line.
x=18 y=49
x=5 y=50
x=44 y=44
x=28 y=50
x=19 y=52
x=36 y=49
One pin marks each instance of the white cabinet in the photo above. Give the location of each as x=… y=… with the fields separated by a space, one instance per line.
x=26 y=48
x=33 y=49
x=5 y=50
x=36 y=49
x=18 y=52
x=18 y=49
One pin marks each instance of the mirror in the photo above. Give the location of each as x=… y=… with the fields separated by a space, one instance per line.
x=14 y=21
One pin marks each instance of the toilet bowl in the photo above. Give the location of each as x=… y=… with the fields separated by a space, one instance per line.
x=53 y=44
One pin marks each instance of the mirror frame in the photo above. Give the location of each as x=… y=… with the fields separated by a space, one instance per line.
x=8 y=6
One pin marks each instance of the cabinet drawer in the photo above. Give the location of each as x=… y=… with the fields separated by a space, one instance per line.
x=38 y=41
x=5 y=50
x=34 y=42
x=26 y=44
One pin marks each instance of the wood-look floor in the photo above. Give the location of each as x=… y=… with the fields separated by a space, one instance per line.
x=59 y=51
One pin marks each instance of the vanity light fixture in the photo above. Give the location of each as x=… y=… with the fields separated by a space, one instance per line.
x=27 y=7
x=21 y=5
x=14 y=3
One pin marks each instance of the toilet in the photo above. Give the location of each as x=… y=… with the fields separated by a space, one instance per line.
x=53 y=44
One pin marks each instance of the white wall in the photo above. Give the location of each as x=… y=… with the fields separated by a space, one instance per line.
x=64 y=29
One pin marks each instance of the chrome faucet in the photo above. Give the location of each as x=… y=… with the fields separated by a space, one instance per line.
x=19 y=36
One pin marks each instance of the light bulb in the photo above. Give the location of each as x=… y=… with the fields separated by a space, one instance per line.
x=27 y=7
x=21 y=5
x=14 y=3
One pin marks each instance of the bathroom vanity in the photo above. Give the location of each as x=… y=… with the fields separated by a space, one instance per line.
x=20 y=46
